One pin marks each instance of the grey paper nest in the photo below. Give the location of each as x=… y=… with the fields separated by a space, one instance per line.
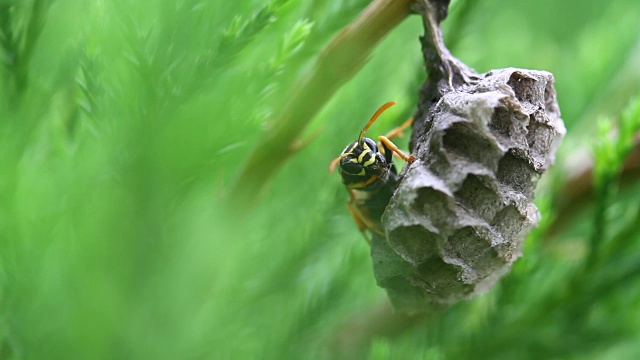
x=459 y=217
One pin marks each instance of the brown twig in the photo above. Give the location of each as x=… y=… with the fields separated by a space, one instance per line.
x=338 y=62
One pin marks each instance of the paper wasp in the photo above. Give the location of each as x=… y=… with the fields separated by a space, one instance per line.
x=369 y=174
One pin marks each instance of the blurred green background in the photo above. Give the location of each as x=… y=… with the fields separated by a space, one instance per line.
x=123 y=125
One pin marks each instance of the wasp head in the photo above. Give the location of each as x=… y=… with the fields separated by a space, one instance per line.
x=362 y=164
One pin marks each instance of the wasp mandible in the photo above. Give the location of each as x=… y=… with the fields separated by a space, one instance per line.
x=369 y=174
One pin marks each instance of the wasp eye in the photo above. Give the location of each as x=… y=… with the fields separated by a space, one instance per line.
x=353 y=168
x=371 y=144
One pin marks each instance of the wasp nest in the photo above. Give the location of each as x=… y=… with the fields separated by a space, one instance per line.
x=459 y=217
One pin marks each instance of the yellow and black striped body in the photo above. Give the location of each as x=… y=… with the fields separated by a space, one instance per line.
x=371 y=177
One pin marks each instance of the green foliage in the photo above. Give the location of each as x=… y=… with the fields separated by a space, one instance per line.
x=611 y=151
x=123 y=125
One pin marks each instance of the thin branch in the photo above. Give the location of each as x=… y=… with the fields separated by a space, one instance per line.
x=338 y=62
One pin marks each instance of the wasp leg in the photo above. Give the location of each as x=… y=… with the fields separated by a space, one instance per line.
x=397 y=131
x=361 y=221
x=356 y=218
x=391 y=146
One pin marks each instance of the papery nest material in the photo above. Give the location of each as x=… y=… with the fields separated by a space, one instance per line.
x=461 y=213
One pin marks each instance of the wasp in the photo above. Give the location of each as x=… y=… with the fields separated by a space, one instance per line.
x=369 y=174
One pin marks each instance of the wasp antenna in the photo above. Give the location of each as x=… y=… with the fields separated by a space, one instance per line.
x=373 y=119
x=334 y=162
